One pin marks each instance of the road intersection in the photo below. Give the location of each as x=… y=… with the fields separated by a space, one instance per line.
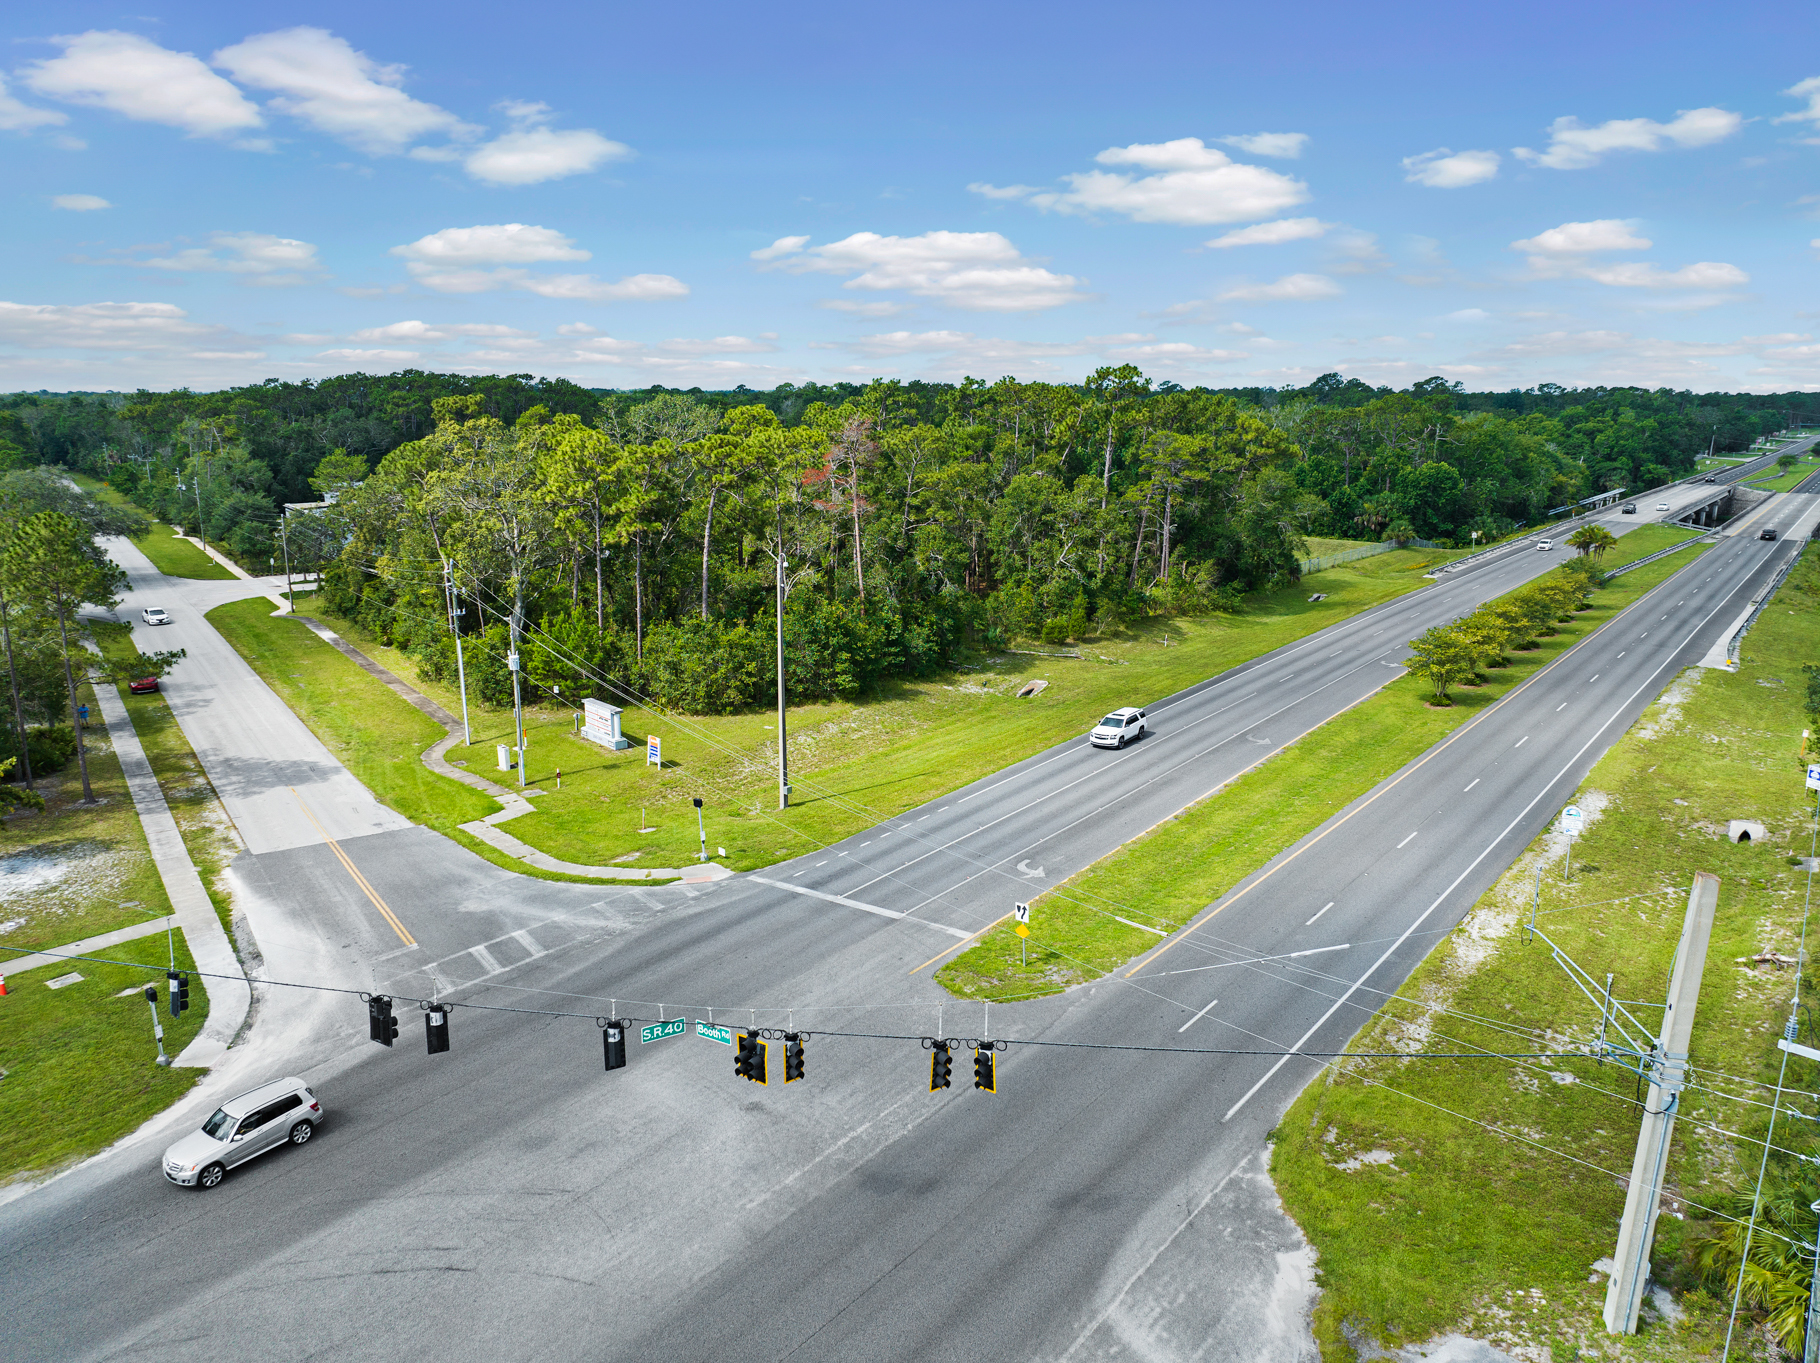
x=512 y=1198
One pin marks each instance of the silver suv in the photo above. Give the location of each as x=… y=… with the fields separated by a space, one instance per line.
x=283 y=1112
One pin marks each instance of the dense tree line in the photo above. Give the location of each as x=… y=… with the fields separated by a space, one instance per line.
x=636 y=534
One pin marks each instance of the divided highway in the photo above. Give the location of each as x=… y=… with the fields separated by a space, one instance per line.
x=509 y=1198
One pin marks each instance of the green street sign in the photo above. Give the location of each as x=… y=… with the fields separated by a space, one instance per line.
x=724 y=1035
x=657 y=1031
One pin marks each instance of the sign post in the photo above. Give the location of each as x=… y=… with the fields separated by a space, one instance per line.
x=1021 y=912
x=1573 y=823
x=654 y=752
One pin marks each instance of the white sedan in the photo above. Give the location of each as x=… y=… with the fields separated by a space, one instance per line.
x=155 y=615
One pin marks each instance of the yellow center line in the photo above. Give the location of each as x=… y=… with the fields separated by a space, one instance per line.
x=360 y=880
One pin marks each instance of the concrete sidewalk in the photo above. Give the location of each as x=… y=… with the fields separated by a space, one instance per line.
x=88 y=946
x=229 y=994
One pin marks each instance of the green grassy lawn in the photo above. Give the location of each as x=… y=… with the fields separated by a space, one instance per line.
x=79 y=1060
x=1503 y=1181
x=1172 y=873
x=72 y=871
x=169 y=555
x=855 y=763
x=1786 y=482
x=207 y=830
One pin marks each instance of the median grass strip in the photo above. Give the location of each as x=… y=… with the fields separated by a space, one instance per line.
x=80 y=1067
x=1183 y=866
x=1786 y=482
x=1477 y=1196
x=854 y=763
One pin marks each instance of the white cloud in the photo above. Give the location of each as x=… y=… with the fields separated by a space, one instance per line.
x=1705 y=274
x=532 y=153
x=981 y=271
x=323 y=82
x=369 y=356
x=1287 y=145
x=79 y=203
x=783 y=246
x=439 y=331
x=1445 y=168
x=854 y=308
x=1271 y=233
x=641 y=288
x=1578 y=238
x=1574 y=146
x=1468 y=315
x=16 y=117
x=1808 y=89
x=134 y=76
x=259 y=256
x=97 y=326
x=1191 y=183
x=1290 y=288
x=1165 y=352
x=506 y=243
x=980 y=187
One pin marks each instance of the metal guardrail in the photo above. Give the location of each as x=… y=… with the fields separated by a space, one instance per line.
x=1733 y=644
x=1660 y=553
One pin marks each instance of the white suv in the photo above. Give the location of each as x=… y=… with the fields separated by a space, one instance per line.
x=154 y=615
x=1118 y=728
x=283 y=1112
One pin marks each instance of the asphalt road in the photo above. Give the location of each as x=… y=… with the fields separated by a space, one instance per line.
x=509 y=1200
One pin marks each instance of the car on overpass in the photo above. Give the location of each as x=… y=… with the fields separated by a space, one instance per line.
x=1661 y=506
x=1630 y=508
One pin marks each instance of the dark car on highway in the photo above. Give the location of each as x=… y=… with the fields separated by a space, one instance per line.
x=1766 y=534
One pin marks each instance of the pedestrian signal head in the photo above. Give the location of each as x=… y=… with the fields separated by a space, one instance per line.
x=436 y=1028
x=613 y=1041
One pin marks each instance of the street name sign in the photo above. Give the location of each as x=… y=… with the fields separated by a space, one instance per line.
x=657 y=1031
x=724 y=1035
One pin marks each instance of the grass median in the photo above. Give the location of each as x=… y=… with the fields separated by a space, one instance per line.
x=1188 y=863
x=170 y=554
x=854 y=763
x=1477 y=1196
x=81 y=1067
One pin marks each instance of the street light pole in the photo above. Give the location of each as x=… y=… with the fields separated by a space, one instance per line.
x=284 y=538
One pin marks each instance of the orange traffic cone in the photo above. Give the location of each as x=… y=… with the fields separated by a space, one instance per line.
x=2 y=984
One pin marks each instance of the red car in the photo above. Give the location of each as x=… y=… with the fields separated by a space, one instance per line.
x=143 y=685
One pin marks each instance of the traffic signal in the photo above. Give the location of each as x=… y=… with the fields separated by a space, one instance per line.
x=984 y=1076
x=749 y=1058
x=613 y=1039
x=793 y=1057
x=940 y=1063
x=436 y=1028
x=381 y=1025
x=179 y=991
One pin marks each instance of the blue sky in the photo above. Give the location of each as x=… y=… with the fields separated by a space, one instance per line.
x=715 y=194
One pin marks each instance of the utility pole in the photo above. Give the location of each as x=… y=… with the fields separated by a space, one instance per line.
x=461 y=672
x=518 y=705
x=201 y=532
x=284 y=539
x=1668 y=1075
x=783 y=740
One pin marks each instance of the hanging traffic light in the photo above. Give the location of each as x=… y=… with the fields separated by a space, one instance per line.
x=613 y=1039
x=984 y=1076
x=179 y=991
x=436 y=1028
x=940 y=1063
x=793 y=1057
x=749 y=1058
x=381 y=1025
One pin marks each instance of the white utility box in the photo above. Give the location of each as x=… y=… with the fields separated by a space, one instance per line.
x=600 y=723
x=505 y=756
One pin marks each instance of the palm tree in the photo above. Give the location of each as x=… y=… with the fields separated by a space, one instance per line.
x=1591 y=540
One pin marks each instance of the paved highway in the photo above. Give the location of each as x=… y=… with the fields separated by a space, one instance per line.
x=511 y=1199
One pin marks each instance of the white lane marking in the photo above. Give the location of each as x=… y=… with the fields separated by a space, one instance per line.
x=1559 y=708
x=489 y=963
x=795 y=874
x=1422 y=917
x=528 y=942
x=855 y=904
x=1196 y=1018
x=1590 y=680
x=1128 y=923
x=924 y=817
x=1310 y=923
x=1257 y=960
x=1521 y=741
x=821 y=863
x=1620 y=655
x=1475 y=781
x=1405 y=841
x=866 y=843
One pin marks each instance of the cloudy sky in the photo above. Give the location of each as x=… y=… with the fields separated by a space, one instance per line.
x=722 y=194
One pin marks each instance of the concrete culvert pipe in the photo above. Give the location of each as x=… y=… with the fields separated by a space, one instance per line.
x=1744 y=830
